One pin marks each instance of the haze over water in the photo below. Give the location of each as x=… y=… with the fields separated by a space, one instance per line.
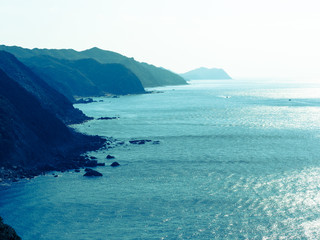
x=236 y=160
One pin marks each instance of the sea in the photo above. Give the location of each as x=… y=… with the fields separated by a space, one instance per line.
x=228 y=159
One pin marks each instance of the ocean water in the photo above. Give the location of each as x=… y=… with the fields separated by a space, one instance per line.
x=235 y=160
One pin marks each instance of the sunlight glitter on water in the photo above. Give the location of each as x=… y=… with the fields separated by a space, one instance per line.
x=244 y=167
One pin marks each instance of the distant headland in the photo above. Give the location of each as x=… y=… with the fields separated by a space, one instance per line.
x=205 y=74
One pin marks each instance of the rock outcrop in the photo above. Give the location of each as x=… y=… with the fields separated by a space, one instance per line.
x=115 y=164
x=92 y=173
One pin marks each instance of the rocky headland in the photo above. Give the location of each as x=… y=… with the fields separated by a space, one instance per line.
x=33 y=140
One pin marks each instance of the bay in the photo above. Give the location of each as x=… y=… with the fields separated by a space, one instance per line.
x=235 y=160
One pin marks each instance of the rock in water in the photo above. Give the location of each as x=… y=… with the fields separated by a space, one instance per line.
x=85 y=100
x=109 y=157
x=107 y=118
x=143 y=141
x=92 y=173
x=115 y=164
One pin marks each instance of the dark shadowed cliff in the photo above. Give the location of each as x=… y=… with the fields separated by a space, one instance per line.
x=205 y=74
x=149 y=75
x=85 y=77
x=31 y=138
x=49 y=98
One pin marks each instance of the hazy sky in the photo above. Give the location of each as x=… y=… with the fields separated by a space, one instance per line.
x=248 y=38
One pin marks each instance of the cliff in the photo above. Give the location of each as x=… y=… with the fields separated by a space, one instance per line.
x=49 y=98
x=33 y=140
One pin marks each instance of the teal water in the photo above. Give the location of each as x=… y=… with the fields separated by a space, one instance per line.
x=236 y=160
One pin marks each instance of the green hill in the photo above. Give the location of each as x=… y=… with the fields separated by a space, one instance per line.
x=149 y=75
x=84 y=77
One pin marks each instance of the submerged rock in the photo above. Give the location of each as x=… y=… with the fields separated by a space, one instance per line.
x=115 y=164
x=110 y=157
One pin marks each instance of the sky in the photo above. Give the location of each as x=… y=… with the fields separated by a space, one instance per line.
x=277 y=39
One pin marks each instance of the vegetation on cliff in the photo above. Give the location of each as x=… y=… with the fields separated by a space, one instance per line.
x=85 y=77
x=149 y=75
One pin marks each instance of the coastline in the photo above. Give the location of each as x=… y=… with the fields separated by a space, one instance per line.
x=74 y=157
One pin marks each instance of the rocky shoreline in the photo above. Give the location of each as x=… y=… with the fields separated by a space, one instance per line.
x=75 y=159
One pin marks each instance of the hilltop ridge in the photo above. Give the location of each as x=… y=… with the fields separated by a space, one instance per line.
x=149 y=75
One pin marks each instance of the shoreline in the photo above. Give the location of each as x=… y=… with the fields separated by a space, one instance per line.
x=75 y=158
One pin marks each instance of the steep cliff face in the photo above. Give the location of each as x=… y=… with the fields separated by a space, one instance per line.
x=85 y=77
x=49 y=98
x=28 y=131
x=149 y=75
x=33 y=138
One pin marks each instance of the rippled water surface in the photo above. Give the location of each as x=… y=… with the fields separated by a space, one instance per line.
x=236 y=160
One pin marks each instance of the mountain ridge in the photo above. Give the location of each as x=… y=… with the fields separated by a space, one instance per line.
x=149 y=75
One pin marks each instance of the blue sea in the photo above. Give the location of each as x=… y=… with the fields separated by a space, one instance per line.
x=235 y=159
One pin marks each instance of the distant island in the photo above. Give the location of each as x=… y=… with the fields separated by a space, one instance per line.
x=205 y=74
